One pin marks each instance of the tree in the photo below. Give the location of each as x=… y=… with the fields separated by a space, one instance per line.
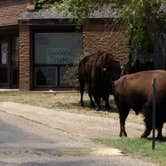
x=141 y=18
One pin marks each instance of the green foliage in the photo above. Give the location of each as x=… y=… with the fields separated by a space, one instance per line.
x=44 y=3
x=139 y=16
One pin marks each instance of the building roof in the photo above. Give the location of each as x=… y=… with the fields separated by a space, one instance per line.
x=106 y=12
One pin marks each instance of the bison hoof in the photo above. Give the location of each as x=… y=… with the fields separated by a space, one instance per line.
x=108 y=107
x=159 y=137
x=123 y=134
x=145 y=135
x=82 y=104
x=98 y=109
x=92 y=105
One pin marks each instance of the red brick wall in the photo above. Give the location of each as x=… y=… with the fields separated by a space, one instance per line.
x=25 y=72
x=95 y=37
x=105 y=38
x=11 y=10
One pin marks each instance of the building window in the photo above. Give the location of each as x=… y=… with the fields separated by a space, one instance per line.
x=53 y=55
x=4 y=53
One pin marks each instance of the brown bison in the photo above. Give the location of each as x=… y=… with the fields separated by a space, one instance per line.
x=98 y=71
x=84 y=76
x=137 y=66
x=134 y=91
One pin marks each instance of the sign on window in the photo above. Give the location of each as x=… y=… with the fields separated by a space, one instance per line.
x=4 y=53
x=57 y=48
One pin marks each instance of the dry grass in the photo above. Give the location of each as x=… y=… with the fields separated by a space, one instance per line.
x=66 y=101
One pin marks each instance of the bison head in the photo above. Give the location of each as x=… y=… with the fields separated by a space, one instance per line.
x=110 y=74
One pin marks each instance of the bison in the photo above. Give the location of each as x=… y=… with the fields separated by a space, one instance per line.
x=98 y=71
x=84 y=76
x=134 y=91
x=130 y=67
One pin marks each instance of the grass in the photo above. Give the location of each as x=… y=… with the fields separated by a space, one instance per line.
x=66 y=101
x=139 y=146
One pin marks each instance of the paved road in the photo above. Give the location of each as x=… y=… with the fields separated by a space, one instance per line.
x=25 y=142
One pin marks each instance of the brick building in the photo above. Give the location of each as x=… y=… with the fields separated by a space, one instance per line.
x=38 y=45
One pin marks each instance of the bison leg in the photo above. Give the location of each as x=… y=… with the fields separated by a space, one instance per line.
x=148 y=127
x=146 y=133
x=159 y=129
x=146 y=110
x=106 y=99
x=97 y=101
x=81 y=92
x=92 y=104
x=123 y=113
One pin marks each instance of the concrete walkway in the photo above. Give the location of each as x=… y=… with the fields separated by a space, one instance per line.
x=74 y=132
x=76 y=124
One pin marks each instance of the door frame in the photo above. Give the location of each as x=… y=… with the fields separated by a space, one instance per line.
x=9 y=67
x=5 y=67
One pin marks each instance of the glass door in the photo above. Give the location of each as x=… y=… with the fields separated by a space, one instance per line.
x=9 y=62
x=14 y=62
x=4 y=63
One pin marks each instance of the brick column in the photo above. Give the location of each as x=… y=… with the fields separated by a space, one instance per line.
x=24 y=58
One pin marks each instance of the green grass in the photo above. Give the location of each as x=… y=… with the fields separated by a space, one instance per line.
x=139 y=146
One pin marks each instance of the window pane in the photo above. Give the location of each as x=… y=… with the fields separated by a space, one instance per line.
x=57 y=48
x=65 y=76
x=46 y=76
x=4 y=53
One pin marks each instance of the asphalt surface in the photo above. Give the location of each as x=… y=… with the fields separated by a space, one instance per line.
x=25 y=142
